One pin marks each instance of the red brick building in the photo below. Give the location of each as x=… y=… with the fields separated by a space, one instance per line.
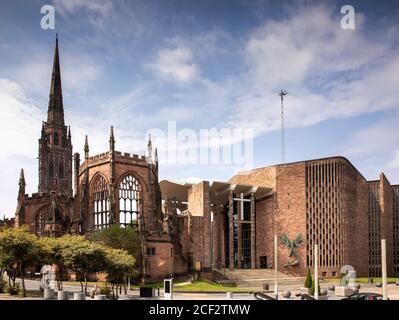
x=326 y=201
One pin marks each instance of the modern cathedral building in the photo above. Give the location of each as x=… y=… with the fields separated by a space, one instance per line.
x=212 y=226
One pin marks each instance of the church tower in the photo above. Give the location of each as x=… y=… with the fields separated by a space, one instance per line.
x=55 y=143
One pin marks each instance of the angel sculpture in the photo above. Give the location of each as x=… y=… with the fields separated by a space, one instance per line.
x=292 y=246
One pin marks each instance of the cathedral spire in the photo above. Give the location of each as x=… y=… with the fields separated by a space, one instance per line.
x=112 y=140
x=156 y=155
x=22 y=184
x=86 y=147
x=55 y=114
x=149 y=148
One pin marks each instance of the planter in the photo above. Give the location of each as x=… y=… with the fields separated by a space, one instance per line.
x=79 y=296
x=49 y=294
x=343 y=291
x=63 y=295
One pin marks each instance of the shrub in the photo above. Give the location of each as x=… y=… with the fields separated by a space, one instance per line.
x=308 y=281
x=13 y=290
x=3 y=286
x=106 y=291
x=313 y=288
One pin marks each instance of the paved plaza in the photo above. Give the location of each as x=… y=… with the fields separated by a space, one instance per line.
x=33 y=285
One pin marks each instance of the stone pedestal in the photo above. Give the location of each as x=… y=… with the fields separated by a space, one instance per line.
x=100 y=297
x=79 y=296
x=63 y=295
x=48 y=294
x=341 y=291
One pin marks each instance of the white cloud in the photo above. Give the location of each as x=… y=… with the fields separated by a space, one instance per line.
x=329 y=72
x=71 y=6
x=20 y=120
x=176 y=65
x=394 y=162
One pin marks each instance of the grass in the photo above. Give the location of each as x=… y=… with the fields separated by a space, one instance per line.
x=208 y=286
x=359 y=280
x=366 y=280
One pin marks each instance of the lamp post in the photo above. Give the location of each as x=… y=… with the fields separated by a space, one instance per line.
x=275 y=267
x=384 y=269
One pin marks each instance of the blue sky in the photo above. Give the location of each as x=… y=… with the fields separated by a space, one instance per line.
x=204 y=64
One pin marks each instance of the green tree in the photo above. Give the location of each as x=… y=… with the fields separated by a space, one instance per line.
x=119 y=266
x=53 y=255
x=19 y=249
x=313 y=288
x=117 y=237
x=308 y=280
x=83 y=256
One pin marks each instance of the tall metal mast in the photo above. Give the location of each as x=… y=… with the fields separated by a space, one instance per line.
x=282 y=93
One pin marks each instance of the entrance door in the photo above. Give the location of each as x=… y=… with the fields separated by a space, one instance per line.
x=263 y=262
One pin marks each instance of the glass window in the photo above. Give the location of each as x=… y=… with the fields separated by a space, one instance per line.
x=130 y=200
x=101 y=203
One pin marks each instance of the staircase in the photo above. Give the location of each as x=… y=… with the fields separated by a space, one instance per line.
x=255 y=278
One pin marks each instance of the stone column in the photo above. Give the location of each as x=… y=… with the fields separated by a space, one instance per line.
x=231 y=230
x=215 y=233
x=239 y=237
x=223 y=239
x=253 y=233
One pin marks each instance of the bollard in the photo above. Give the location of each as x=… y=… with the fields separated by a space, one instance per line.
x=48 y=294
x=79 y=296
x=63 y=295
x=229 y=295
x=100 y=297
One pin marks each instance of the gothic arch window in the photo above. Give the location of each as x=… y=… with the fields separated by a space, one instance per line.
x=101 y=203
x=51 y=170
x=130 y=200
x=61 y=171
x=63 y=142
x=56 y=139
x=40 y=222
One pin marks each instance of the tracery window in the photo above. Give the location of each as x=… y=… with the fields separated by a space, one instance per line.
x=130 y=200
x=56 y=139
x=101 y=203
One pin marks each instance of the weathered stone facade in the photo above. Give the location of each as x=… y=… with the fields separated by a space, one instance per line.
x=109 y=188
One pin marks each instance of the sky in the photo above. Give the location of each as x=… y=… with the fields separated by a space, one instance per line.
x=141 y=65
